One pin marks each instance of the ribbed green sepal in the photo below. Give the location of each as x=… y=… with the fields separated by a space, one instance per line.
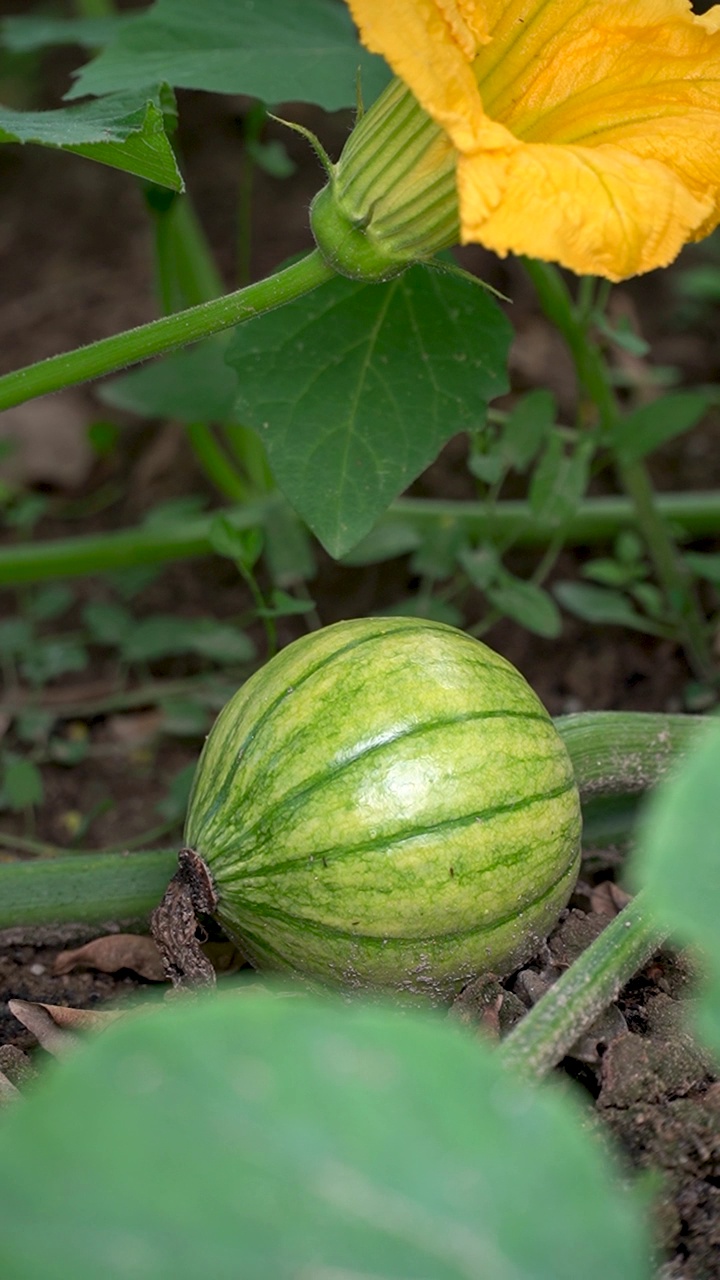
x=392 y=197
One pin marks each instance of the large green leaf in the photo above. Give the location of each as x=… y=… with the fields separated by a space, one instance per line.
x=38 y=31
x=277 y=50
x=357 y=387
x=677 y=860
x=124 y=130
x=274 y=1137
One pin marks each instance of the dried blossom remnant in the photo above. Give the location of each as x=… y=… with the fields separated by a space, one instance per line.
x=585 y=131
x=191 y=892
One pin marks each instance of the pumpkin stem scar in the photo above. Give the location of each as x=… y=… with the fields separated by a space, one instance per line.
x=190 y=893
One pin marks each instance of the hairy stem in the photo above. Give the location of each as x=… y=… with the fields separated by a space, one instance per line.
x=543 y=1037
x=165 y=334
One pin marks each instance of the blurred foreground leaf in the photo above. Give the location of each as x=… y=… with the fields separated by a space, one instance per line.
x=270 y=1135
x=677 y=860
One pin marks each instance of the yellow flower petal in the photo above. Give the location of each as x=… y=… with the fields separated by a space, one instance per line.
x=587 y=131
x=596 y=211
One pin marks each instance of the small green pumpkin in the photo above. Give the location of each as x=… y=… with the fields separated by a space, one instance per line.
x=387 y=804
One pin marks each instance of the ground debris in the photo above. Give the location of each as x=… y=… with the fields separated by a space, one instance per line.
x=113 y=952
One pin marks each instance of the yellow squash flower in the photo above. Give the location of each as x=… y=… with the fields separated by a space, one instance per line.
x=584 y=132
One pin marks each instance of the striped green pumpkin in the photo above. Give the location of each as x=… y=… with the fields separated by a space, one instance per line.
x=387 y=804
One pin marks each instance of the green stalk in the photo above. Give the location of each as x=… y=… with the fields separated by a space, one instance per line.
x=181 y=245
x=216 y=465
x=598 y=521
x=104 y=553
x=669 y=567
x=543 y=1037
x=593 y=376
x=90 y=888
x=624 y=753
x=187 y=276
x=613 y=753
x=111 y=354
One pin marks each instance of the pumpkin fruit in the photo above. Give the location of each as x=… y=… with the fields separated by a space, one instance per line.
x=387 y=804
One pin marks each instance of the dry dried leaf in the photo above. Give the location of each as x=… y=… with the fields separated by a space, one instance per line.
x=54 y=1025
x=608 y=899
x=115 y=951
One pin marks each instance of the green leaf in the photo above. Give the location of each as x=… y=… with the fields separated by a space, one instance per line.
x=279 y=50
x=440 y=550
x=270 y=1136
x=384 y=542
x=283 y=605
x=242 y=545
x=705 y=564
x=27 y=34
x=651 y=425
x=526 y=603
x=288 y=546
x=174 y=804
x=677 y=860
x=702 y=283
x=271 y=157
x=481 y=564
x=355 y=389
x=526 y=428
x=26 y=511
x=220 y=641
x=49 y=602
x=602 y=605
x=650 y=598
x=559 y=481
x=155 y=637
x=107 y=623
x=184 y=717
x=131 y=581
x=47 y=659
x=22 y=784
x=33 y=725
x=16 y=635
x=622 y=334
x=424 y=606
x=125 y=131
x=613 y=573
x=175 y=511
x=194 y=385
x=163 y=635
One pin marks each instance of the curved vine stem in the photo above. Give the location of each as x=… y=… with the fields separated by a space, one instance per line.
x=176 y=330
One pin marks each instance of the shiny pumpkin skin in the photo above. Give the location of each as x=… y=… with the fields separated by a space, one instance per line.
x=387 y=805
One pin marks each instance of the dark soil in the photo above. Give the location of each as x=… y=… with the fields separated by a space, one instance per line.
x=75 y=259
